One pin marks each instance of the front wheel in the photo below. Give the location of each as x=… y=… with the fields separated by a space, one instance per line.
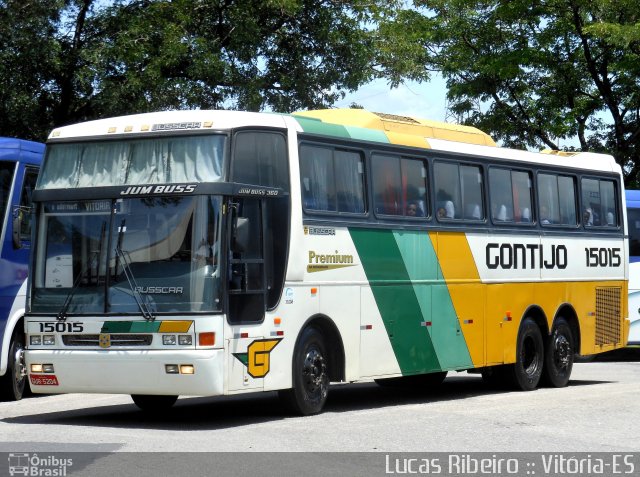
x=310 y=375
x=559 y=354
x=148 y=402
x=14 y=382
x=526 y=372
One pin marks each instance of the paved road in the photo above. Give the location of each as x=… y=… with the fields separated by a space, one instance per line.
x=598 y=412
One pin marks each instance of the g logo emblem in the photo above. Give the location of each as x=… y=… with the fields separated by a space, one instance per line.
x=104 y=340
x=257 y=358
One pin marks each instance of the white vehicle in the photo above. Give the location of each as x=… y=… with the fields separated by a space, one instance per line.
x=224 y=252
x=633 y=217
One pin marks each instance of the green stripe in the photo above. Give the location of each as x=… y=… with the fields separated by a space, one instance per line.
x=435 y=301
x=315 y=126
x=130 y=327
x=365 y=134
x=396 y=298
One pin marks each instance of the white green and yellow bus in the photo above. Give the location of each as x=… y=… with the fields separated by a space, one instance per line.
x=222 y=252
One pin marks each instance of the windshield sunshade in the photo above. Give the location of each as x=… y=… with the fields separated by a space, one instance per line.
x=135 y=161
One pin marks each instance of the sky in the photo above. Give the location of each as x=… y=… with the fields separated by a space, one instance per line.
x=421 y=100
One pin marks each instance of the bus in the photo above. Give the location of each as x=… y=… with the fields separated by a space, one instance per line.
x=633 y=218
x=19 y=165
x=214 y=253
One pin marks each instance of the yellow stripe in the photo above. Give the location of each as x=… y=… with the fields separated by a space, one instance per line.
x=491 y=338
x=175 y=326
x=467 y=293
x=407 y=140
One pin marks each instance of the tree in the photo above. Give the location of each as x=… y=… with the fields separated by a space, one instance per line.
x=64 y=61
x=535 y=72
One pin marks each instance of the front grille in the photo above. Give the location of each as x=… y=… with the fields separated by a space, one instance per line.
x=116 y=340
x=608 y=320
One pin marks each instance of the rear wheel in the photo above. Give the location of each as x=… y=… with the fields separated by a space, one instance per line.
x=526 y=372
x=13 y=383
x=559 y=354
x=310 y=375
x=148 y=402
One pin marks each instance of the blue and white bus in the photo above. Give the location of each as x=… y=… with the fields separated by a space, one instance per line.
x=19 y=165
x=633 y=219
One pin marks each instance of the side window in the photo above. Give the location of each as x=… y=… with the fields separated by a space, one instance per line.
x=472 y=195
x=399 y=186
x=318 y=181
x=6 y=176
x=557 y=199
x=599 y=203
x=386 y=184
x=447 y=186
x=28 y=186
x=510 y=196
x=349 y=173
x=459 y=191
x=260 y=158
x=332 y=179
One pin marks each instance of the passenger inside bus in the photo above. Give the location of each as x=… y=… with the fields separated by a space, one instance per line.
x=414 y=210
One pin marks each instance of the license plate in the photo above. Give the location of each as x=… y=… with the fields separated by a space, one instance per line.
x=44 y=379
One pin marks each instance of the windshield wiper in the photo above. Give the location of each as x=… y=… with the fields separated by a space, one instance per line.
x=62 y=314
x=126 y=269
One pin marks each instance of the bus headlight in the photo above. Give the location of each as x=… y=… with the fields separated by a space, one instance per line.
x=185 y=340
x=168 y=339
x=49 y=340
x=35 y=340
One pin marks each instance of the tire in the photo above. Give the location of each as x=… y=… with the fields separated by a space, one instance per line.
x=422 y=381
x=147 y=402
x=14 y=383
x=526 y=372
x=559 y=355
x=310 y=375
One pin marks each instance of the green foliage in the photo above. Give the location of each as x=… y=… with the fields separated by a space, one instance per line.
x=66 y=61
x=535 y=73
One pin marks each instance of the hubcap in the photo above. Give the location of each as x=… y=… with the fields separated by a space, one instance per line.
x=561 y=351
x=314 y=372
x=20 y=365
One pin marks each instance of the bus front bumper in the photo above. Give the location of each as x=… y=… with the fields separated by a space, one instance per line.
x=127 y=372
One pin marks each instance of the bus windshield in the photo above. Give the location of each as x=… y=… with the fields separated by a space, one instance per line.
x=128 y=256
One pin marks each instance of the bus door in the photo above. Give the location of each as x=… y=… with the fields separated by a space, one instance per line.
x=247 y=289
x=15 y=257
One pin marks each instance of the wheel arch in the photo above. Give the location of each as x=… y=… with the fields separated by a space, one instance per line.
x=536 y=313
x=333 y=342
x=14 y=322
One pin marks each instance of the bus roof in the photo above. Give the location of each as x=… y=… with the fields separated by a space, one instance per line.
x=20 y=149
x=356 y=124
x=398 y=129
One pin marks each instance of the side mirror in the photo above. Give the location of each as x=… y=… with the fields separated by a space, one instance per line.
x=240 y=239
x=17 y=227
